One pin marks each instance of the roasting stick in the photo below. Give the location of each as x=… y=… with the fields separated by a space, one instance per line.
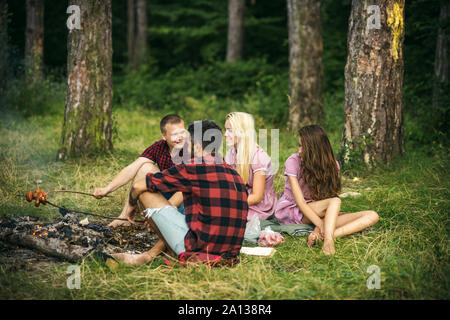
x=89 y=213
x=40 y=196
x=79 y=192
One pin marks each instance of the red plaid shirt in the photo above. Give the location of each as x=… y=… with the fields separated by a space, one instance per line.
x=159 y=153
x=215 y=201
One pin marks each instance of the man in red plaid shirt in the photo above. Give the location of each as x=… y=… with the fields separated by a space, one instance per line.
x=157 y=157
x=215 y=200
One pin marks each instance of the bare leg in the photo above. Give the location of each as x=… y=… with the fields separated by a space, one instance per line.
x=149 y=200
x=142 y=172
x=138 y=259
x=344 y=225
x=155 y=200
x=330 y=225
x=320 y=208
x=354 y=222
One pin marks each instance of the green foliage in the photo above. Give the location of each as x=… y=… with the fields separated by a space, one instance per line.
x=351 y=155
x=334 y=17
x=194 y=32
x=35 y=97
x=425 y=122
x=256 y=86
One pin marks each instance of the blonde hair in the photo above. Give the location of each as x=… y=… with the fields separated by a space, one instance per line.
x=243 y=126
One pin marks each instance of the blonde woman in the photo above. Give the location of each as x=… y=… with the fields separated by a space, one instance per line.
x=251 y=162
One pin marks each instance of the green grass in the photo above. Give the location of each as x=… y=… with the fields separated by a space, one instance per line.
x=409 y=243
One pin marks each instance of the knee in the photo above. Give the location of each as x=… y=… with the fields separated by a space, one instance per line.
x=373 y=216
x=336 y=200
x=145 y=169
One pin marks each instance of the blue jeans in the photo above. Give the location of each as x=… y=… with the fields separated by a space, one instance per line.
x=172 y=225
x=168 y=195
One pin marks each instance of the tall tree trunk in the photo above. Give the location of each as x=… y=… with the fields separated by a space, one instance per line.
x=87 y=119
x=34 y=39
x=441 y=64
x=141 y=34
x=4 y=47
x=236 y=17
x=131 y=33
x=305 y=63
x=373 y=128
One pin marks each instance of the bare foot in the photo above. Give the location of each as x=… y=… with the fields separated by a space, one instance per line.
x=328 y=246
x=117 y=223
x=138 y=259
x=133 y=259
x=313 y=237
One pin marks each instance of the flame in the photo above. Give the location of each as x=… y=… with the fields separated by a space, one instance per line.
x=38 y=232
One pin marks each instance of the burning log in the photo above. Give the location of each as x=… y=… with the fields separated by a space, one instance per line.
x=69 y=240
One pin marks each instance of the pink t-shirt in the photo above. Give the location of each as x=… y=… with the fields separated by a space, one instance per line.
x=260 y=161
x=287 y=211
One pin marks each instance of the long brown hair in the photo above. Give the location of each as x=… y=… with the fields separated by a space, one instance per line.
x=319 y=169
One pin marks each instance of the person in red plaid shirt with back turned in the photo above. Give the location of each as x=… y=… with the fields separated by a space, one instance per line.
x=215 y=201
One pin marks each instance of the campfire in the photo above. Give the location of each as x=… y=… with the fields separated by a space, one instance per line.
x=39 y=232
x=71 y=237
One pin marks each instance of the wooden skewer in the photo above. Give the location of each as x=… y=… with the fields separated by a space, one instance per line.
x=79 y=192
x=41 y=197
x=91 y=214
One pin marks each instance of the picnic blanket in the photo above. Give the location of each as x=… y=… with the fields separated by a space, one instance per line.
x=291 y=229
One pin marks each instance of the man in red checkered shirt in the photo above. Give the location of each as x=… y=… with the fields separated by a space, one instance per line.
x=157 y=157
x=215 y=200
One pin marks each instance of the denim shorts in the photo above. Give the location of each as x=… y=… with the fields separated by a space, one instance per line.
x=168 y=195
x=172 y=225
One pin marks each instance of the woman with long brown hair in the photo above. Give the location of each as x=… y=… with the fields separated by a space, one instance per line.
x=311 y=192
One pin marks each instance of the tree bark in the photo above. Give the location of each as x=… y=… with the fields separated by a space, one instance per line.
x=141 y=33
x=4 y=47
x=305 y=63
x=373 y=129
x=441 y=65
x=236 y=17
x=87 y=120
x=131 y=33
x=34 y=39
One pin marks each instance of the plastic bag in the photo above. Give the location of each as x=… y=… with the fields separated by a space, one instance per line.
x=252 y=229
x=270 y=238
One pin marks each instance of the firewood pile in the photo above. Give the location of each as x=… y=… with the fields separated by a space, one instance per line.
x=69 y=238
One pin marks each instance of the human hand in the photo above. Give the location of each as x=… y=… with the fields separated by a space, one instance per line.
x=320 y=229
x=100 y=192
x=131 y=211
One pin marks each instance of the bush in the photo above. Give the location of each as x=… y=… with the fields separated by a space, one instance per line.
x=33 y=98
x=255 y=85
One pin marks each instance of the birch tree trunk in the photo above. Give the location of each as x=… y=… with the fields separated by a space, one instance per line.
x=373 y=129
x=141 y=33
x=236 y=17
x=305 y=63
x=131 y=41
x=34 y=39
x=87 y=119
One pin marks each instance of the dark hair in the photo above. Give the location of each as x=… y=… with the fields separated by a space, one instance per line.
x=207 y=139
x=170 y=118
x=319 y=168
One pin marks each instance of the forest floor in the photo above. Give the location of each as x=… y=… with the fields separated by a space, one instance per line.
x=409 y=244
